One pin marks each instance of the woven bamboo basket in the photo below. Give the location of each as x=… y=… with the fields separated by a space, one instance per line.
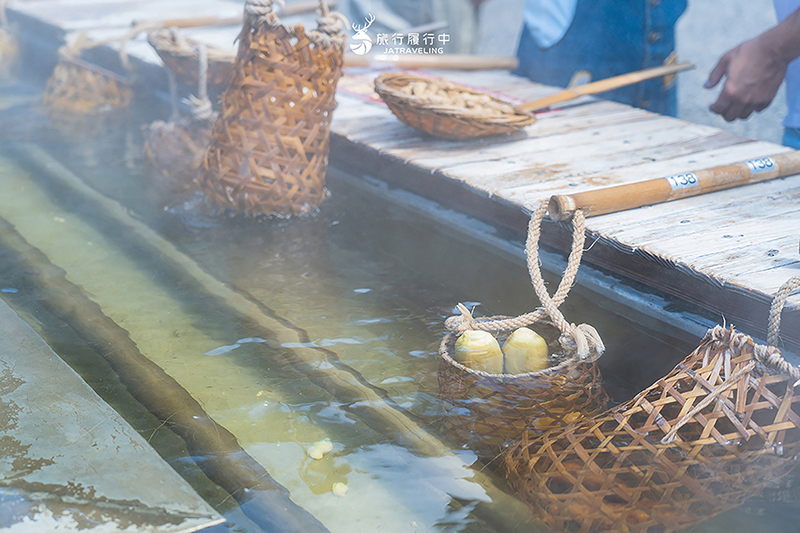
x=176 y=148
x=77 y=87
x=715 y=431
x=269 y=148
x=180 y=56
x=487 y=411
x=80 y=88
x=444 y=109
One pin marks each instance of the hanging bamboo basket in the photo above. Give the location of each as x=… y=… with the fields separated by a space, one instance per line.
x=180 y=56
x=176 y=148
x=486 y=411
x=269 y=148
x=712 y=433
x=77 y=87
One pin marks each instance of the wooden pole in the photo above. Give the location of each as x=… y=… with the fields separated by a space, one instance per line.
x=656 y=191
x=602 y=86
x=445 y=61
x=287 y=10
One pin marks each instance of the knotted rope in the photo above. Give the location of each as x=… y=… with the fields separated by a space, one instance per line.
x=583 y=338
x=774 y=324
x=201 y=107
x=330 y=25
x=259 y=11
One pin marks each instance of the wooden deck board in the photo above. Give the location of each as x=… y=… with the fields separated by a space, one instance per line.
x=646 y=168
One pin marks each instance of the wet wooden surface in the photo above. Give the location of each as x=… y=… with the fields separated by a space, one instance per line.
x=727 y=251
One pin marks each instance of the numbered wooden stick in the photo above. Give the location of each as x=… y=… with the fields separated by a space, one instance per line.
x=656 y=191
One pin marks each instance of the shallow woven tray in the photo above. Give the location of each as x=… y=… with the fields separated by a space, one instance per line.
x=448 y=120
x=486 y=412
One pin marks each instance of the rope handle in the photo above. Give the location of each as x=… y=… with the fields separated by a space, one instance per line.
x=775 y=310
x=770 y=355
x=77 y=42
x=201 y=107
x=330 y=25
x=582 y=338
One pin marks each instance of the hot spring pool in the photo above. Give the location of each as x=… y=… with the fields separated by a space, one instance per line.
x=291 y=333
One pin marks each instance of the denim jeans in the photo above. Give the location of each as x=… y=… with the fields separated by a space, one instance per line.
x=608 y=38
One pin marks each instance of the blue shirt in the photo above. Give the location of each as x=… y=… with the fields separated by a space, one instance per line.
x=784 y=8
x=607 y=38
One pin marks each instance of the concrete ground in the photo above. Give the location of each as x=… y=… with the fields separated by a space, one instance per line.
x=707 y=29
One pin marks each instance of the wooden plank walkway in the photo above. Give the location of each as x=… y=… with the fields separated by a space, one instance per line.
x=727 y=252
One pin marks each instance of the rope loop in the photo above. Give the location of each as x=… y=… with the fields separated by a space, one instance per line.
x=201 y=107
x=775 y=310
x=583 y=339
x=259 y=11
x=77 y=41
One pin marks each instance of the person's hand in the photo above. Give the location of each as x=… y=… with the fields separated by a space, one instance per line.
x=753 y=73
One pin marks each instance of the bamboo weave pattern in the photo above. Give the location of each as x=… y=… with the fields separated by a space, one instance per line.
x=713 y=432
x=446 y=110
x=269 y=148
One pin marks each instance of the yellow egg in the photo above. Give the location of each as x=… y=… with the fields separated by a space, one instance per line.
x=525 y=351
x=339 y=489
x=479 y=350
x=318 y=450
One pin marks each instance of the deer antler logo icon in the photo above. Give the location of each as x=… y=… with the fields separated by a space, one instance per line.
x=362 y=42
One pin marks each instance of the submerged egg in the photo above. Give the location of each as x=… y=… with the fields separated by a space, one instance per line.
x=525 y=351
x=339 y=489
x=479 y=350
x=318 y=450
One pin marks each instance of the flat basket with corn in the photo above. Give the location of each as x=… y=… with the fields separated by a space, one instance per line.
x=444 y=109
x=447 y=110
